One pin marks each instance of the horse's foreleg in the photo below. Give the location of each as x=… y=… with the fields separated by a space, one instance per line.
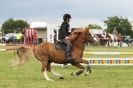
x=88 y=68
x=79 y=72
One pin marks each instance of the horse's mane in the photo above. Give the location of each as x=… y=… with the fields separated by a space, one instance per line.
x=79 y=35
x=76 y=33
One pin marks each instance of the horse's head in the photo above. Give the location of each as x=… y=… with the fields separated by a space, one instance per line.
x=89 y=37
x=83 y=35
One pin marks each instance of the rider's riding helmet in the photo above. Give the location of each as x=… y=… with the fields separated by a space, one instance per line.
x=66 y=16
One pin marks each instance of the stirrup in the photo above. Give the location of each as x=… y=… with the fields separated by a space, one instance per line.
x=69 y=60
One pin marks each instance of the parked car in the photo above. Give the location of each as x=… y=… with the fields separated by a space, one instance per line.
x=0 y=39
x=129 y=40
x=10 y=37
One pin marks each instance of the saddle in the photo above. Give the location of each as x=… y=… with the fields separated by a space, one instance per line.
x=60 y=45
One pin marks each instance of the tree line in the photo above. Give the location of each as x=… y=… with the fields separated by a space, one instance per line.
x=13 y=26
x=121 y=24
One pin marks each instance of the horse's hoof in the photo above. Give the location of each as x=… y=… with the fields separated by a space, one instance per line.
x=50 y=80
x=89 y=71
x=61 y=77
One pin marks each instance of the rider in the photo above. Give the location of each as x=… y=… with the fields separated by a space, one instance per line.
x=64 y=36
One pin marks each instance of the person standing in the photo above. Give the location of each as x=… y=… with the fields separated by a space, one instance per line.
x=18 y=37
x=120 y=40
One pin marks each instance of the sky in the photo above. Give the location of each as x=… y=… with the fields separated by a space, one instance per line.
x=83 y=12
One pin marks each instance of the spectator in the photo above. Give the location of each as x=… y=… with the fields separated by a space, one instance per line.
x=119 y=39
x=18 y=37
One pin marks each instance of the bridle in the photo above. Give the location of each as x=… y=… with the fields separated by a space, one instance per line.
x=92 y=37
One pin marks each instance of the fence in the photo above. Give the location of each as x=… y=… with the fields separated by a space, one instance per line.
x=110 y=61
x=6 y=49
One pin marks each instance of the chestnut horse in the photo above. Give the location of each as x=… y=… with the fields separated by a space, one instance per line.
x=46 y=53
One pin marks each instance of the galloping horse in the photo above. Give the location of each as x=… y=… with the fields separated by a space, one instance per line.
x=46 y=53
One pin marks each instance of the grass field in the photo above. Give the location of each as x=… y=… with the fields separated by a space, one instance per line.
x=30 y=76
x=106 y=49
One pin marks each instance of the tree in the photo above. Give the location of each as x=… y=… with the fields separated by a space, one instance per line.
x=122 y=25
x=11 y=26
x=94 y=26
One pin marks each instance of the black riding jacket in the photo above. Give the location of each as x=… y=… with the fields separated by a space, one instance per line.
x=63 y=31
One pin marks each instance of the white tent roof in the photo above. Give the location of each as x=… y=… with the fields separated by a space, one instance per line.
x=38 y=25
x=96 y=31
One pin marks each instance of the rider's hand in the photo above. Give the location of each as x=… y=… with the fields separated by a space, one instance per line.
x=67 y=37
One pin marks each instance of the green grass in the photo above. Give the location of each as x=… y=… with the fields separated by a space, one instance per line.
x=30 y=76
x=106 y=49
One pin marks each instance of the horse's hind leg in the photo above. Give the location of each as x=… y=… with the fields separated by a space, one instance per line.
x=57 y=74
x=53 y=72
x=44 y=69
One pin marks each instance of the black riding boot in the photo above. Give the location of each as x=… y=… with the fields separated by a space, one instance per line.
x=69 y=55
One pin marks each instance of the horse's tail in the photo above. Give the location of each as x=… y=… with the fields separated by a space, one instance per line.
x=24 y=54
